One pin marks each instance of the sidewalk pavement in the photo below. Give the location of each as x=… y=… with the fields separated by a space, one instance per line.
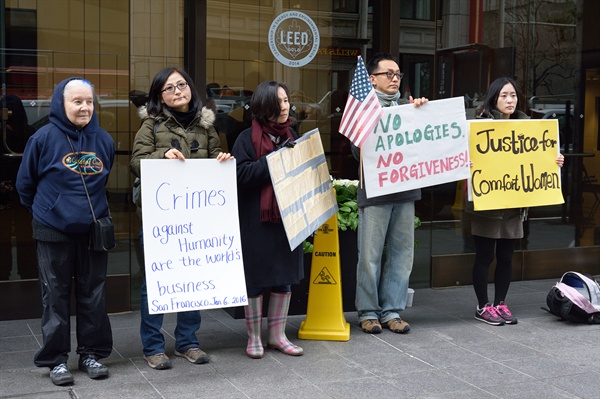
x=447 y=354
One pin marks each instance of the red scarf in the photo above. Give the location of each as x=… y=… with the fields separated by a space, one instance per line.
x=264 y=145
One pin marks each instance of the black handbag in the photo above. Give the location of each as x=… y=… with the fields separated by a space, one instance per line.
x=102 y=234
x=102 y=231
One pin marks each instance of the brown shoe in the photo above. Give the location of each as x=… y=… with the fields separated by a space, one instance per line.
x=398 y=326
x=159 y=361
x=193 y=355
x=371 y=326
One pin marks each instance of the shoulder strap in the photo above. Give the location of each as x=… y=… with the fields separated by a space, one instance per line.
x=82 y=179
x=577 y=298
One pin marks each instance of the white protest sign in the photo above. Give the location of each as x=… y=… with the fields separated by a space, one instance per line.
x=417 y=147
x=192 y=247
x=302 y=186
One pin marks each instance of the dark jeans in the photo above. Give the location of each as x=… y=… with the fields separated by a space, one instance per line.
x=153 y=341
x=60 y=264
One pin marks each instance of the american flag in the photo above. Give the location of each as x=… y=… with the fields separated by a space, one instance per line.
x=362 y=112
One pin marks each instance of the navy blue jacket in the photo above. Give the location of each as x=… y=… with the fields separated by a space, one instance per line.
x=49 y=178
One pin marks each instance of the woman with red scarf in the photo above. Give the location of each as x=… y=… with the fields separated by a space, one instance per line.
x=268 y=261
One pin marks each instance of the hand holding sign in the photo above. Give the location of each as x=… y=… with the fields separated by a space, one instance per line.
x=414 y=147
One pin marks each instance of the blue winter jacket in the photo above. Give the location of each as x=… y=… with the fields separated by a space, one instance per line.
x=49 y=178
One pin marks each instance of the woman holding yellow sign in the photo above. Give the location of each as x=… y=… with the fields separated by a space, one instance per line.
x=496 y=232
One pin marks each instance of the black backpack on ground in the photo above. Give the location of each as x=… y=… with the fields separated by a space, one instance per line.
x=575 y=298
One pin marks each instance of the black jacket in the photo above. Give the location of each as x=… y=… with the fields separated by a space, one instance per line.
x=268 y=260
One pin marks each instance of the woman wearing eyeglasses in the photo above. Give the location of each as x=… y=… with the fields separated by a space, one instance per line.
x=175 y=126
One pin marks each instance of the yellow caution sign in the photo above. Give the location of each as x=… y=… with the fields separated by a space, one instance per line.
x=459 y=196
x=325 y=318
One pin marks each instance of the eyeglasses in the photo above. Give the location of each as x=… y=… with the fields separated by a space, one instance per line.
x=171 y=89
x=390 y=75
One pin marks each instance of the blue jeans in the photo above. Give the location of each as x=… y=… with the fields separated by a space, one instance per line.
x=381 y=290
x=152 y=339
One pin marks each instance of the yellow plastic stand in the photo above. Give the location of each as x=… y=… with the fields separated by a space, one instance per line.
x=325 y=314
x=459 y=196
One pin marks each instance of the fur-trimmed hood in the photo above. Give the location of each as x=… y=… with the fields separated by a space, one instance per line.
x=206 y=116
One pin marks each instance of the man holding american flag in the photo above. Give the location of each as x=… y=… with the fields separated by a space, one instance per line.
x=381 y=290
x=362 y=112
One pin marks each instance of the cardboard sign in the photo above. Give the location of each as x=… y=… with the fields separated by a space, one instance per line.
x=514 y=163
x=192 y=246
x=417 y=147
x=302 y=186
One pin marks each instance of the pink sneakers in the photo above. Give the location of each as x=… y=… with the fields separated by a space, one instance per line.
x=489 y=315
x=503 y=312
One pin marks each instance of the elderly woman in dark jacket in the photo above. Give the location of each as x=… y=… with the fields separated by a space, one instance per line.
x=268 y=261
x=175 y=126
x=497 y=230
x=62 y=177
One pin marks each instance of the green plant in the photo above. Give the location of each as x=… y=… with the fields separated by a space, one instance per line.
x=345 y=192
x=347 y=216
x=307 y=247
x=348 y=208
x=417 y=224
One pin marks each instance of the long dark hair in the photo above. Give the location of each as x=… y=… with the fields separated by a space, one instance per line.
x=491 y=99
x=264 y=103
x=155 y=105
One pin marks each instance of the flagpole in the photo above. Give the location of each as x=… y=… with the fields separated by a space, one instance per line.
x=361 y=168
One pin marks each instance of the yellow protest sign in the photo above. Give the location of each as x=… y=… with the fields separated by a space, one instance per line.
x=514 y=163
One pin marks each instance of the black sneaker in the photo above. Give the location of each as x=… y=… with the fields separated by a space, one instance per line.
x=92 y=368
x=60 y=375
x=489 y=315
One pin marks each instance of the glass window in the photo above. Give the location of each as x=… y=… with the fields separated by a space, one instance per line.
x=419 y=9
x=534 y=42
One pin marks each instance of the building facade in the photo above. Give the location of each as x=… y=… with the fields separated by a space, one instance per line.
x=445 y=49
